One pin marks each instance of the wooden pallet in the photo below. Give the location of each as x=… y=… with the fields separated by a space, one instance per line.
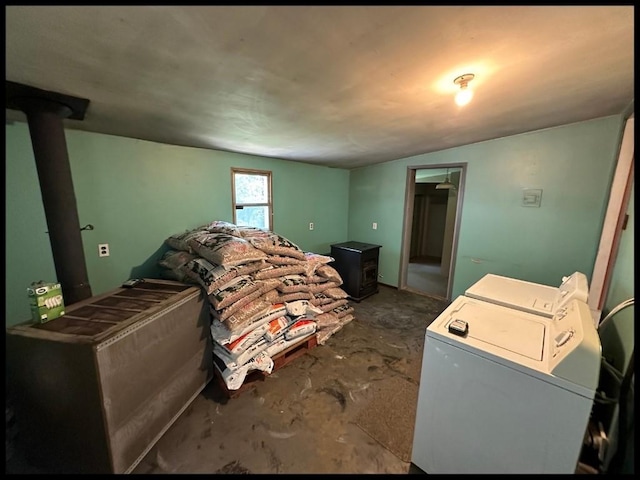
x=282 y=359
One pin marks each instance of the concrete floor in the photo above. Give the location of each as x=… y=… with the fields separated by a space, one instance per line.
x=301 y=419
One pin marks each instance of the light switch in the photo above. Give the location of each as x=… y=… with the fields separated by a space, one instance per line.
x=531 y=197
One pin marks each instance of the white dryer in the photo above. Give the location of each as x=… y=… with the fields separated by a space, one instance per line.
x=511 y=395
x=530 y=297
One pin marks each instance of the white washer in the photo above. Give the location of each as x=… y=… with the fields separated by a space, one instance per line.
x=513 y=395
x=530 y=297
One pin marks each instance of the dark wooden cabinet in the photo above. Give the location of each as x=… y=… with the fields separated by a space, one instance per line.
x=95 y=389
x=357 y=264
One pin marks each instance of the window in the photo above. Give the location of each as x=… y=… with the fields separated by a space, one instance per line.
x=252 y=204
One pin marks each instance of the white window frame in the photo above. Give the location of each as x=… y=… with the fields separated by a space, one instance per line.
x=237 y=206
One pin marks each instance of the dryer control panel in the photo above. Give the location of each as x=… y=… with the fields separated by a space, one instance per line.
x=573 y=286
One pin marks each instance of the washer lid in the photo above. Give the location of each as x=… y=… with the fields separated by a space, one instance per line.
x=499 y=333
x=507 y=332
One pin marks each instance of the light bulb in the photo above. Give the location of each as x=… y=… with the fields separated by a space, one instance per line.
x=464 y=96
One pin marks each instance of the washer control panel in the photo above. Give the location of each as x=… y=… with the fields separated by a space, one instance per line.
x=564 y=327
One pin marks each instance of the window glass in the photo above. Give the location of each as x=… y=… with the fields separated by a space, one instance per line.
x=252 y=205
x=253 y=217
x=252 y=188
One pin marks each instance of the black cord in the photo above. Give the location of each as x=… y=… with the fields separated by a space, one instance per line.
x=616 y=463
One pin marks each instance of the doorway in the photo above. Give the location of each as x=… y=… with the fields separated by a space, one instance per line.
x=433 y=202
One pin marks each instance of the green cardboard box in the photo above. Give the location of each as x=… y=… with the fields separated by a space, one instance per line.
x=46 y=301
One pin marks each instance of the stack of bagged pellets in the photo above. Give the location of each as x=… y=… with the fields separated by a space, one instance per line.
x=265 y=293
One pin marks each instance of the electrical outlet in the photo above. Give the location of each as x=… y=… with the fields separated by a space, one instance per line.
x=311 y=226
x=103 y=249
x=374 y=226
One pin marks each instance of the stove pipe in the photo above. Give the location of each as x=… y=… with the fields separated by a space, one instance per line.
x=45 y=113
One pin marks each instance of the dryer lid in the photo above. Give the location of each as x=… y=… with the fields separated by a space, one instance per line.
x=514 y=293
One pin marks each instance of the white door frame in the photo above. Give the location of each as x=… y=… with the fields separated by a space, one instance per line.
x=613 y=221
x=408 y=219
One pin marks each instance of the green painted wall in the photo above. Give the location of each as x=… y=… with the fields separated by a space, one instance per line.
x=137 y=193
x=618 y=333
x=573 y=164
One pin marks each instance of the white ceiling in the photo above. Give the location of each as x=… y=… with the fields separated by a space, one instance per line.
x=342 y=86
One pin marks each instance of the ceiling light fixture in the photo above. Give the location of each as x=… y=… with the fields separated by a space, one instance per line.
x=465 y=94
x=446 y=185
